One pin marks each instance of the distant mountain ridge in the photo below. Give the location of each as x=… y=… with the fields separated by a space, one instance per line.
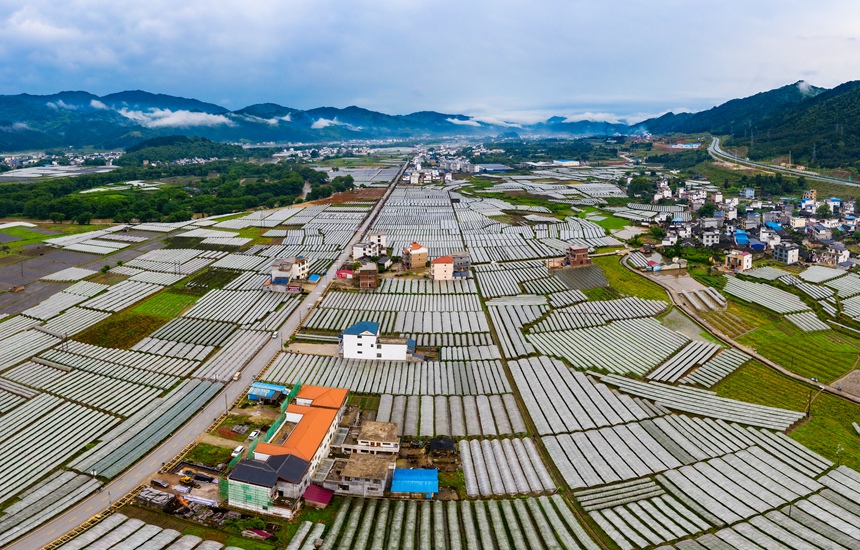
x=815 y=122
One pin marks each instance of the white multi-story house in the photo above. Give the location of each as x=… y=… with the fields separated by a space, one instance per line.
x=362 y=341
x=787 y=253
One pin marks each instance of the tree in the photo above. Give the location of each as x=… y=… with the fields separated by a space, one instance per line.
x=657 y=232
x=823 y=211
x=57 y=217
x=640 y=186
x=84 y=218
x=707 y=210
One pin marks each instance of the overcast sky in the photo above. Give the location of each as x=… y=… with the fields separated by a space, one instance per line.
x=512 y=59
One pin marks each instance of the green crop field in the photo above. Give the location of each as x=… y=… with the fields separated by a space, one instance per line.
x=830 y=422
x=826 y=355
x=121 y=330
x=626 y=282
x=166 y=304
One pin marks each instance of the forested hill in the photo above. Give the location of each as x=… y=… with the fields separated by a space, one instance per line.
x=170 y=148
x=821 y=131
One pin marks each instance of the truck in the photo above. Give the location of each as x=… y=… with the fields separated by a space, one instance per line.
x=238 y=375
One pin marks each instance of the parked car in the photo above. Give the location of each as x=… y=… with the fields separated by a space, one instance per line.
x=253 y=434
x=159 y=483
x=237 y=451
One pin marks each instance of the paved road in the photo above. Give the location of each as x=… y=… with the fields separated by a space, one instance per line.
x=715 y=151
x=149 y=465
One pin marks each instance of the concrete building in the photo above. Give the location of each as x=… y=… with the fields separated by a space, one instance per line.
x=368 y=276
x=577 y=256
x=275 y=478
x=787 y=253
x=811 y=194
x=379 y=239
x=414 y=256
x=373 y=438
x=361 y=475
x=285 y=270
x=739 y=260
x=362 y=341
x=442 y=268
x=462 y=264
x=835 y=254
x=366 y=250
x=710 y=238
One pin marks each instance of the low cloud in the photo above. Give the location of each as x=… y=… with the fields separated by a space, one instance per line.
x=165 y=118
x=321 y=123
x=497 y=121
x=804 y=86
x=271 y=121
x=15 y=127
x=459 y=122
x=595 y=117
x=96 y=104
x=60 y=105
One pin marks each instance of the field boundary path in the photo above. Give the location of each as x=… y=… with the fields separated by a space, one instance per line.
x=140 y=472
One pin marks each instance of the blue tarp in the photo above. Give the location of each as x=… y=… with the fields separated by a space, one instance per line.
x=773 y=225
x=415 y=480
x=314 y=278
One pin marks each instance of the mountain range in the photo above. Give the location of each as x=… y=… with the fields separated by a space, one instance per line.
x=815 y=121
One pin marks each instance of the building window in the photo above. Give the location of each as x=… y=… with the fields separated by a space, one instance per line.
x=378 y=355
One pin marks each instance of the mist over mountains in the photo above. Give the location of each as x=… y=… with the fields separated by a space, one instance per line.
x=796 y=115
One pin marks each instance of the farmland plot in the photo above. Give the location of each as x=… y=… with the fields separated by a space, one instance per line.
x=75 y=320
x=560 y=400
x=109 y=394
x=457 y=416
x=195 y=331
x=34 y=375
x=607 y=455
x=145 y=361
x=23 y=345
x=845 y=287
x=694 y=353
x=509 y=321
x=60 y=491
x=241 y=348
x=506 y=466
x=53 y=306
x=807 y=321
x=706 y=403
x=635 y=345
x=764 y=295
x=58 y=428
x=479 y=377
x=121 y=296
x=56 y=357
x=235 y=306
x=819 y=274
x=717 y=368
x=545 y=522
x=170 y=348
x=136 y=436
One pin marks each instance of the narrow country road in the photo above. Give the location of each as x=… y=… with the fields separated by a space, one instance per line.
x=188 y=433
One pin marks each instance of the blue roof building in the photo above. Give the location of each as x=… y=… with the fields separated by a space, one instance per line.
x=773 y=225
x=741 y=238
x=362 y=327
x=314 y=278
x=415 y=480
x=262 y=390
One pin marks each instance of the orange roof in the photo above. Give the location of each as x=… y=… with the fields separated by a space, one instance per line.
x=306 y=437
x=331 y=398
x=414 y=246
x=443 y=260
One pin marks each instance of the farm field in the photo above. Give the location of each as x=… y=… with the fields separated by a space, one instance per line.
x=825 y=355
x=626 y=282
x=827 y=429
x=122 y=330
x=165 y=304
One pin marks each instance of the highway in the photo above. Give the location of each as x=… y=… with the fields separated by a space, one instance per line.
x=143 y=470
x=715 y=151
